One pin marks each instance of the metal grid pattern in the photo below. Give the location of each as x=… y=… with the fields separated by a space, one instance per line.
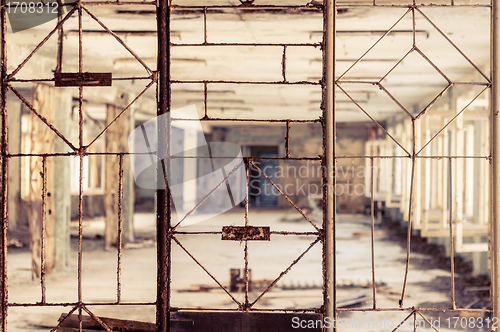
x=166 y=233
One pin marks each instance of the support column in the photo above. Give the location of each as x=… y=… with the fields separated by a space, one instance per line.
x=495 y=160
x=117 y=141
x=62 y=180
x=163 y=207
x=3 y=167
x=14 y=186
x=330 y=137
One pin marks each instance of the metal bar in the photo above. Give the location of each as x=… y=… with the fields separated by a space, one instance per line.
x=453 y=119
x=204 y=269
x=4 y=164
x=67 y=304
x=425 y=318
x=120 y=114
x=41 y=43
x=97 y=319
x=250 y=120
x=43 y=119
x=364 y=54
x=371 y=118
x=205 y=97
x=118 y=3
x=430 y=5
x=245 y=82
x=433 y=101
x=205 y=26
x=422 y=54
x=208 y=195
x=242 y=7
x=286 y=197
x=120 y=231
x=43 y=228
x=284 y=272
x=60 y=38
x=495 y=159
x=329 y=219
x=80 y=241
x=404 y=320
x=283 y=64
x=163 y=208
x=64 y=319
x=372 y=233
x=455 y=46
x=395 y=100
x=247 y=203
x=119 y=40
x=410 y=201
x=287 y=140
x=452 y=255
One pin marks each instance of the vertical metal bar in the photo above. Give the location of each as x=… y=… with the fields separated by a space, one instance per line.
x=495 y=158
x=205 y=96
x=204 y=25
x=120 y=231
x=452 y=252
x=60 y=37
x=81 y=151
x=329 y=116
x=246 y=276
x=414 y=26
x=410 y=207
x=283 y=64
x=287 y=140
x=43 y=230
x=4 y=164
x=247 y=302
x=163 y=209
x=373 y=232
x=80 y=240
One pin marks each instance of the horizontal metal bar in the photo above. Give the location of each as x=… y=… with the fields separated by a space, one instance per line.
x=246 y=82
x=249 y=120
x=271 y=232
x=411 y=309
x=409 y=157
x=319 y=310
x=246 y=44
x=412 y=6
x=67 y=304
x=246 y=7
x=117 y=3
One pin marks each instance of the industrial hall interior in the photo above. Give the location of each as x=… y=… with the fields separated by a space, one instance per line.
x=249 y=165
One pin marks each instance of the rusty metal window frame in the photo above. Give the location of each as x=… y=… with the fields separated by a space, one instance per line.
x=165 y=231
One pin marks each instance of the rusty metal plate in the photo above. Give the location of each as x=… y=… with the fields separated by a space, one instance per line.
x=243 y=233
x=82 y=79
x=250 y=321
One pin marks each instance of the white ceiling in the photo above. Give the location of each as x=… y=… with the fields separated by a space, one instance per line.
x=414 y=82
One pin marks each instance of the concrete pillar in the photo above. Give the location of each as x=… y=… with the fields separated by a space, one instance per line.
x=14 y=185
x=54 y=104
x=62 y=179
x=117 y=141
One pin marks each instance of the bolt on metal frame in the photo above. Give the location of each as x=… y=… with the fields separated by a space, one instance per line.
x=166 y=232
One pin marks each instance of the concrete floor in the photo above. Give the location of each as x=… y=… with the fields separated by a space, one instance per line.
x=267 y=260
